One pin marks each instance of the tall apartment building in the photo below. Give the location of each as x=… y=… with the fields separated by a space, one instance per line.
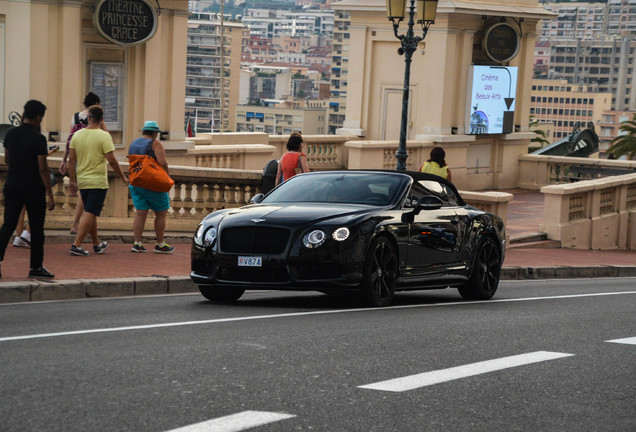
x=607 y=65
x=592 y=43
x=210 y=99
x=589 y=20
x=339 y=70
x=564 y=104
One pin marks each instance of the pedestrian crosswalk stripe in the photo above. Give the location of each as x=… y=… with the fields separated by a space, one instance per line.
x=443 y=375
x=235 y=422
x=628 y=341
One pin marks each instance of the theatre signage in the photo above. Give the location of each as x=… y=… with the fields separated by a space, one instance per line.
x=501 y=42
x=125 y=22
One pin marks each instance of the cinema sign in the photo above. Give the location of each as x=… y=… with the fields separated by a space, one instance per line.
x=125 y=22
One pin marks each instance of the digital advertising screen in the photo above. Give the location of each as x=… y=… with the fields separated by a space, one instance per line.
x=492 y=91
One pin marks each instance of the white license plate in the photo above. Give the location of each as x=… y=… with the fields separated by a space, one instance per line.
x=250 y=261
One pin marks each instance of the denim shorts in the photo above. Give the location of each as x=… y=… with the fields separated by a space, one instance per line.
x=144 y=199
x=93 y=200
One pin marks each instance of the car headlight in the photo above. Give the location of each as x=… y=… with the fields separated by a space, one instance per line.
x=209 y=237
x=198 y=233
x=314 y=238
x=341 y=234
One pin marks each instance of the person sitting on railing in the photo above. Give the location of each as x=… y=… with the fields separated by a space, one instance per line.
x=294 y=161
x=437 y=164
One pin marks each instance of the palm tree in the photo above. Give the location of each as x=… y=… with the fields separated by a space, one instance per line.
x=625 y=144
x=540 y=137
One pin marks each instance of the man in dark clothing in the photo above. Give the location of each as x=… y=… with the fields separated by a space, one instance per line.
x=28 y=180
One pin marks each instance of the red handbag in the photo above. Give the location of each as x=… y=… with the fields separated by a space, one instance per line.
x=145 y=172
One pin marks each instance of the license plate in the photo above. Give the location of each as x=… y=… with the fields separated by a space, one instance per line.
x=250 y=261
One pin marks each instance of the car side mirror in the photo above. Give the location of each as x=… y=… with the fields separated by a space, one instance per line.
x=257 y=198
x=429 y=202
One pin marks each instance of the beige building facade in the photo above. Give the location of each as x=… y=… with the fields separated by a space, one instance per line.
x=439 y=100
x=52 y=51
x=439 y=71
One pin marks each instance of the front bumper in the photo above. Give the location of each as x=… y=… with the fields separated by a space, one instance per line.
x=307 y=269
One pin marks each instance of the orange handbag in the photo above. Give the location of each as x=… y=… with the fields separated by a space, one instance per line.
x=145 y=172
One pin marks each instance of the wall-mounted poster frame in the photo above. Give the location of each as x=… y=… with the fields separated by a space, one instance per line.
x=107 y=81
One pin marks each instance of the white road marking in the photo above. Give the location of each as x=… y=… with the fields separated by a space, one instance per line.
x=628 y=341
x=235 y=422
x=299 y=314
x=435 y=377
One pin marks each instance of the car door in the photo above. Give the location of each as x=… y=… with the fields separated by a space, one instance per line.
x=433 y=241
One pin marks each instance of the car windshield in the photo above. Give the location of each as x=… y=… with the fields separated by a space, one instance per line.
x=350 y=188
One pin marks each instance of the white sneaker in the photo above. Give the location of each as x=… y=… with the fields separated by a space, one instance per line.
x=26 y=236
x=18 y=242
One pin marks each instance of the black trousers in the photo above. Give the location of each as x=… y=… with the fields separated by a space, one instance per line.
x=34 y=198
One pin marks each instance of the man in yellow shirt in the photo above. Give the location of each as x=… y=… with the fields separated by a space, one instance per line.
x=90 y=149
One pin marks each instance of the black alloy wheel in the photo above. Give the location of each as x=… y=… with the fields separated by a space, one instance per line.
x=380 y=273
x=484 y=279
x=221 y=295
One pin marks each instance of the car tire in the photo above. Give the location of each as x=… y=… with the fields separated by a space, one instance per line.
x=484 y=278
x=222 y=295
x=380 y=274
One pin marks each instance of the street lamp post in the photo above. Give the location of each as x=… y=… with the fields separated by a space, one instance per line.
x=426 y=10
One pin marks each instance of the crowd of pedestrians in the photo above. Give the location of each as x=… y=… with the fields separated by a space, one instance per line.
x=89 y=151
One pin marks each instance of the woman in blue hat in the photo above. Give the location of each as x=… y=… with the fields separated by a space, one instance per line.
x=144 y=199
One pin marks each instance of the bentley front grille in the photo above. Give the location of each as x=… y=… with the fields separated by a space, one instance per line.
x=254 y=240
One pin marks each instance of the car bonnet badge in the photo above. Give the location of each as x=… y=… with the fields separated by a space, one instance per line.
x=258 y=220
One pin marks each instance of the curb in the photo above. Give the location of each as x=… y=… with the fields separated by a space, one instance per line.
x=73 y=289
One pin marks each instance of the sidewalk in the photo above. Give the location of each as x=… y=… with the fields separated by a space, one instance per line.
x=119 y=272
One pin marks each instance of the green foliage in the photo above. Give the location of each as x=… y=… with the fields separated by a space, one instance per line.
x=539 y=137
x=625 y=144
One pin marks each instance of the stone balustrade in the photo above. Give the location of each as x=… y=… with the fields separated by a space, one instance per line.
x=592 y=214
x=197 y=192
x=254 y=150
x=324 y=152
x=536 y=171
x=490 y=201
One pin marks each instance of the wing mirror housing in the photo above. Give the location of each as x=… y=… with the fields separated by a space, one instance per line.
x=257 y=198
x=428 y=202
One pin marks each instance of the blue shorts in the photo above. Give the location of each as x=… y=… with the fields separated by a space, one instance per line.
x=144 y=199
x=93 y=200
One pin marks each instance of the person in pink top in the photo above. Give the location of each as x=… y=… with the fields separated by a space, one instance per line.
x=294 y=161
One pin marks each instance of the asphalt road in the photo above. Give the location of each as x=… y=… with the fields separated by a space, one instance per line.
x=536 y=358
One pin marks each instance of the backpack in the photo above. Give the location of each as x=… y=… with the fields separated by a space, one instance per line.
x=79 y=124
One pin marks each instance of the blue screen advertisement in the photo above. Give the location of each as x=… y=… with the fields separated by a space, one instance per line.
x=492 y=91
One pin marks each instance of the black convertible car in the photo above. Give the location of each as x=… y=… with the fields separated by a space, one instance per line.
x=368 y=232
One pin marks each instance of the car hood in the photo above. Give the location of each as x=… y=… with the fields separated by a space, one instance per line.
x=293 y=214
